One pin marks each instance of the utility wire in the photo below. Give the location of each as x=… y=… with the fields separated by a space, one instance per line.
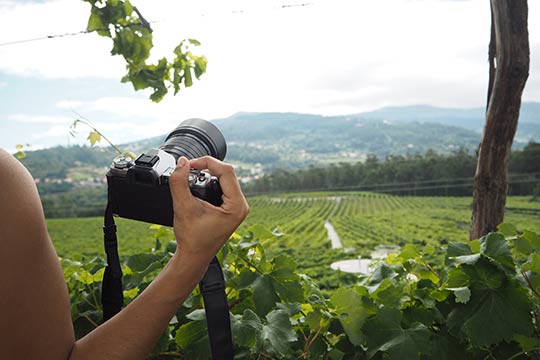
x=143 y=23
x=44 y=38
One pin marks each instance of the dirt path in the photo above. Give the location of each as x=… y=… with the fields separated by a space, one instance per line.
x=332 y=234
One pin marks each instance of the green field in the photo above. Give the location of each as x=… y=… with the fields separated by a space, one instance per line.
x=362 y=221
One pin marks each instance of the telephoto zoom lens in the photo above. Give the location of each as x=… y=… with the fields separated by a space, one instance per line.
x=195 y=138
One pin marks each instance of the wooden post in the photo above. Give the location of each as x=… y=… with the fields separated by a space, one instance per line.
x=509 y=69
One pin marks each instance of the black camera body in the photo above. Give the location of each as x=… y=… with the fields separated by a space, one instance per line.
x=139 y=189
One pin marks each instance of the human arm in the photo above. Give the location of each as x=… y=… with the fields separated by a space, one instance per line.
x=201 y=230
x=34 y=302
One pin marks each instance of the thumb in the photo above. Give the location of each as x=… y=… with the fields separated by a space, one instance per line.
x=179 y=185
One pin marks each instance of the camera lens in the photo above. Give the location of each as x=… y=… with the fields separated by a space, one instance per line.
x=195 y=138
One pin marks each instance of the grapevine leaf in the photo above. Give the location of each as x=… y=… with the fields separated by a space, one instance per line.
x=456 y=278
x=291 y=309
x=130 y=294
x=462 y=294
x=246 y=328
x=533 y=264
x=496 y=248
x=95 y=23
x=522 y=245
x=18 y=146
x=533 y=239
x=189 y=333
x=313 y=319
x=244 y=279
x=289 y=291
x=384 y=333
x=351 y=312
x=20 y=154
x=446 y=347
x=505 y=311
x=528 y=343
x=264 y=295
x=468 y=259
x=198 y=314
x=409 y=251
x=140 y=262
x=458 y=249
x=277 y=333
x=260 y=232
x=284 y=269
x=94 y=137
x=507 y=229
x=484 y=274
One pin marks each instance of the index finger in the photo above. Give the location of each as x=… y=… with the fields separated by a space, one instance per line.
x=225 y=172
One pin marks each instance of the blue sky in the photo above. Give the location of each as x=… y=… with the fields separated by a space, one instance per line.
x=327 y=57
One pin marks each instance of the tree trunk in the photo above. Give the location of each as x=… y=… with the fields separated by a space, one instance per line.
x=509 y=69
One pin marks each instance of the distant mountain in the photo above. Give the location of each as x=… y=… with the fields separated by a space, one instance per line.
x=260 y=142
x=472 y=119
x=293 y=140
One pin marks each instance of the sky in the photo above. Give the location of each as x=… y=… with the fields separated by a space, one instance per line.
x=328 y=57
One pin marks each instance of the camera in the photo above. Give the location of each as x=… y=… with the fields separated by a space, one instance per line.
x=139 y=189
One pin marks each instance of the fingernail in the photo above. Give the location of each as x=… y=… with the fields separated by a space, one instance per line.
x=182 y=162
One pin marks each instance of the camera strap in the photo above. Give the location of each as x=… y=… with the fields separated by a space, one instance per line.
x=212 y=288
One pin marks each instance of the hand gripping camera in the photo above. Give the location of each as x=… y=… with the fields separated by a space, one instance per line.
x=139 y=189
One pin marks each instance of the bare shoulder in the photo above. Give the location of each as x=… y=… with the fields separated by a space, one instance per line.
x=35 y=316
x=19 y=198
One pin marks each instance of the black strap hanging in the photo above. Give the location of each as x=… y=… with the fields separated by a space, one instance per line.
x=216 y=307
x=212 y=288
x=112 y=296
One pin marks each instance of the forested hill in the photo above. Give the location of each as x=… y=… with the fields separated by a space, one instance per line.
x=262 y=142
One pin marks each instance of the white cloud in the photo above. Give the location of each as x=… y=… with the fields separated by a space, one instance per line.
x=69 y=104
x=43 y=119
x=330 y=57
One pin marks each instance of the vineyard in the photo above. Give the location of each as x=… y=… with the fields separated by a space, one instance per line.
x=363 y=221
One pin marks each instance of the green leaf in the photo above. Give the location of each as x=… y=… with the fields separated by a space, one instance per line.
x=493 y=315
x=189 y=333
x=94 y=137
x=95 y=23
x=18 y=146
x=246 y=328
x=289 y=291
x=313 y=319
x=260 y=232
x=130 y=294
x=533 y=264
x=409 y=252
x=458 y=249
x=484 y=274
x=533 y=239
x=188 y=81
x=446 y=347
x=384 y=333
x=528 y=343
x=264 y=295
x=467 y=259
x=20 y=155
x=277 y=334
x=496 y=247
x=244 y=279
x=351 y=313
x=507 y=229
x=462 y=294
x=142 y=261
x=284 y=268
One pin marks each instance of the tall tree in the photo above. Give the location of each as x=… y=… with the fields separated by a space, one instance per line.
x=508 y=73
